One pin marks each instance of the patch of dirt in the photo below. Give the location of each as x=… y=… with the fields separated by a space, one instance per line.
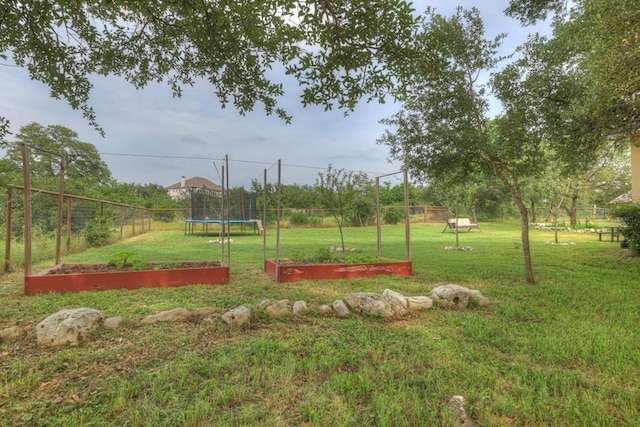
x=111 y=268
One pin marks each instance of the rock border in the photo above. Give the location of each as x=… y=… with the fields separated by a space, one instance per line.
x=71 y=326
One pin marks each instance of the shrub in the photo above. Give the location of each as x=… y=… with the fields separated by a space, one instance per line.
x=630 y=216
x=324 y=255
x=363 y=212
x=298 y=218
x=97 y=233
x=393 y=216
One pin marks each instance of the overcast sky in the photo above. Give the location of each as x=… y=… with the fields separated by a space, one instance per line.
x=150 y=122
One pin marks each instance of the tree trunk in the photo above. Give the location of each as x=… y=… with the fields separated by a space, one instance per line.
x=524 y=217
x=534 y=216
x=526 y=248
x=572 y=211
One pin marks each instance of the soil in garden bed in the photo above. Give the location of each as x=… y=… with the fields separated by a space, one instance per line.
x=111 y=268
x=311 y=261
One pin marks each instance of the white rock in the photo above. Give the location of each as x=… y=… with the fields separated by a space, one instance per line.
x=279 y=309
x=113 y=322
x=419 y=303
x=68 y=326
x=238 y=317
x=340 y=308
x=300 y=307
x=175 y=315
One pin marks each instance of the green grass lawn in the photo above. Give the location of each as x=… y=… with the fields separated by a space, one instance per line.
x=565 y=351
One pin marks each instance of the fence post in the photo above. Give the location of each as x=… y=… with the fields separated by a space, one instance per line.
x=26 y=177
x=133 y=222
x=121 y=220
x=69 y=224
x=378 y=221
x=59 y=218
x=424 y=210
x=7 y=242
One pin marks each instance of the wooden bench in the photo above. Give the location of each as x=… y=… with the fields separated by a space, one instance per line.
x=612 y=232
x=460 y=223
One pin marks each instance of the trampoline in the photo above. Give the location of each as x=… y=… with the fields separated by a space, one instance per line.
x=191 y=224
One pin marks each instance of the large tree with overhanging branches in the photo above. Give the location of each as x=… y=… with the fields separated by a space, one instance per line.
x=602 y=41
x=444 y=131
x=338 y=51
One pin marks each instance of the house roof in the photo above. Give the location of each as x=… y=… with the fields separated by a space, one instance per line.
x=623 y=198
x=195 y=182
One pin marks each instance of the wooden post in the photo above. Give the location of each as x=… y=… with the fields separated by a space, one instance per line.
x=7 y=242
x=26 y=177
x=264 y=219
x=69 y=224
x=378 y=222
x=424 y=210
x=133 y=222
x=121 y=220
x=407 y=217
x=278 y=199
x=59 y=219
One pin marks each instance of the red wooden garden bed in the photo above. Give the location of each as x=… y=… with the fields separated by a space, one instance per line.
x=293 y=273
x=56 y=280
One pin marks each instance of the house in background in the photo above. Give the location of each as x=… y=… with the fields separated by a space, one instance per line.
x=186 y=187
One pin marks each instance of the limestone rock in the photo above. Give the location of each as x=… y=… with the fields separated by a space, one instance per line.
x=281 y=308
x=388 y=305
x=9 y=334
x=419 y=303
x=456 y=296
x=262 y=305
x=396 y=301
x=203 y=312
x=324 y=309
x=175 y=315
x=113 y=322
x=299 y=308
x=457 y=406
x=68 y=326
x=238 y=317
x=340 y=308
x=368 y=303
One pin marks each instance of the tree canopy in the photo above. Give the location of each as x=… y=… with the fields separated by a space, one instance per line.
x=339 y=51
x=83 y=167
x=602 y=44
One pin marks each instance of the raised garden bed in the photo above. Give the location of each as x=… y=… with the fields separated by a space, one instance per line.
x=289 y=272
x=96 y=277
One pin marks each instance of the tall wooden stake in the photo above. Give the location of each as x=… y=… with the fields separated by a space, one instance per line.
x=26 y=177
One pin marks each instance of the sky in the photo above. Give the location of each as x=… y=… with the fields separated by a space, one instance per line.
x=152 y=137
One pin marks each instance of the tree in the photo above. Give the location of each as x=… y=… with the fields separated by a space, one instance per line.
x=612 y=179
x=299 y=196
x=443 y=130
x=602 y=44
x=338 y=51
x=458 y=197
x=83 y=167
x=341 y=192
